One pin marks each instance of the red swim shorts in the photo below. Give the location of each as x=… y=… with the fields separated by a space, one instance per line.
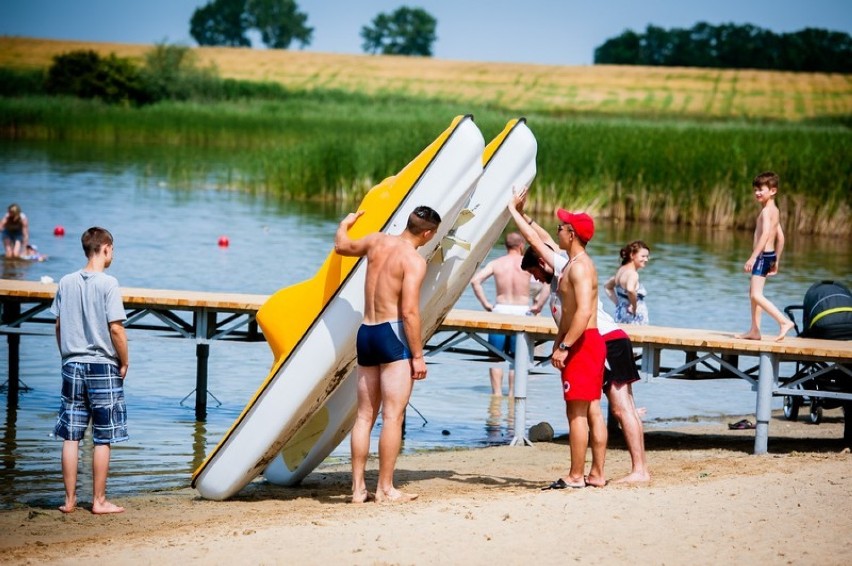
x=582 y=378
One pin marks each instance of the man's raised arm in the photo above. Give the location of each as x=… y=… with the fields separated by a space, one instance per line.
x=343 y=244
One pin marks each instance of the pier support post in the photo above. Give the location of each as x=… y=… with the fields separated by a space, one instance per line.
x=523 y=347
x=202 y=353
x=11 y=312
x=205 y=323
x=650 y=364
x=767 y=375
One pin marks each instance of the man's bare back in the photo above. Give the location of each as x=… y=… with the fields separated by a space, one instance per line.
x=511 y=282
x=389 y=260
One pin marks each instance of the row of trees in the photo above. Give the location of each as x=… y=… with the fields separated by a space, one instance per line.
x=411 y=31
x=406 y=31
x=730 y=46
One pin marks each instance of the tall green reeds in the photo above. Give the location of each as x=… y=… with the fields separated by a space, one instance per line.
x=696 y=173
x=333 y=146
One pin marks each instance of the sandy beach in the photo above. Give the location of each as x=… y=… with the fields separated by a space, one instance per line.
x=710 y=501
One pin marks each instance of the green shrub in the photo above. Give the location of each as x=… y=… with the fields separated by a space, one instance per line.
x=85 y=74
x=171 y=72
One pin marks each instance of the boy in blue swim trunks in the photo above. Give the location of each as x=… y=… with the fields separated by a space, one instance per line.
x=93 y=344
x=389 y=347
x=763 y=262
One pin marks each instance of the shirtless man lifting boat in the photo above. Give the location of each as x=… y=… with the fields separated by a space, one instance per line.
x=388 y=361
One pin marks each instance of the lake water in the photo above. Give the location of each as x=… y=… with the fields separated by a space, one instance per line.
x=166 y=237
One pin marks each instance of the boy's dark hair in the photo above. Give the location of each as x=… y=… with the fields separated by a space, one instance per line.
x=767 y=178
x=530 y=259
x=421 y=219
x=94 y=238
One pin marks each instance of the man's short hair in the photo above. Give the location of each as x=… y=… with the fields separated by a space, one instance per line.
x=94 y=238
x=421 y=219
x=514 y=240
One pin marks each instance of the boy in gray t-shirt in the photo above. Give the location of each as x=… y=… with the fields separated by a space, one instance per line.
x=93 y=345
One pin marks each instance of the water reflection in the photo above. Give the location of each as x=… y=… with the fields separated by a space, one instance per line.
x=498 y=430
x=199 y=444
x=9 y=444
x=15 y=268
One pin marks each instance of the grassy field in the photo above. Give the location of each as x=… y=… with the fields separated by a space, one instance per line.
x=555 y=90
x=685 y=153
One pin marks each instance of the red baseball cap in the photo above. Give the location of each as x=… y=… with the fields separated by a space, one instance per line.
x=581 y=222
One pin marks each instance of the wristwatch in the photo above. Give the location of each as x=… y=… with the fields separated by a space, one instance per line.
x=564 y=347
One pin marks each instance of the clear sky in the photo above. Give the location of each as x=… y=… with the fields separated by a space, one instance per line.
x=559 y=32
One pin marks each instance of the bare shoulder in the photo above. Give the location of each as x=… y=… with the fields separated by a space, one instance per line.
x=769 y=212
x=582 y=268
x=410 y=256
x=773 y=212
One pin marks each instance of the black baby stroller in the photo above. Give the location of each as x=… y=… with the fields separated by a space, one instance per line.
x=826 y=314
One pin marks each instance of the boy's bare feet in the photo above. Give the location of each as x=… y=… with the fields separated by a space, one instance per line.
x=363 y=497
x=395 y=496
x=785 y=328
x=105 y=508
x=69 y=507
x=750 y=335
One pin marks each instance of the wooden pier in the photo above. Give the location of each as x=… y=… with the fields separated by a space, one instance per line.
x=205 y=317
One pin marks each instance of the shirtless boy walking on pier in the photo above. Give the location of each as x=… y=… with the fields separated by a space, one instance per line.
x=763 y=262
x=390 y=352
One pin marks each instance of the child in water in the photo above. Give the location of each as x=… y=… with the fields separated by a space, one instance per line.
x=32 y=253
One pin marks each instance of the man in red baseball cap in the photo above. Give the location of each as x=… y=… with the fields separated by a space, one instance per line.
x=579 y=351
x=580 y=222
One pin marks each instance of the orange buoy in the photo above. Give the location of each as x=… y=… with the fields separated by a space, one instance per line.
x=59 y=231
x=224 y=242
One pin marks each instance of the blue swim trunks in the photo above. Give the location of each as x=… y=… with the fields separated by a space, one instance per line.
x=92 y=392
x=504 y=343
x=381 y=343
x=764 y=263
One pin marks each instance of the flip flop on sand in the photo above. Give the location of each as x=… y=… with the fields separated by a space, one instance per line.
x=562 y=484
x=744 y=424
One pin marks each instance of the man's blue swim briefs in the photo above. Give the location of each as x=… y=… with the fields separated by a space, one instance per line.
x=381 y=343
x=764 y=263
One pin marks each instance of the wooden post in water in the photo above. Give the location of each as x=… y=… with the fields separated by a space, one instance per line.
x=202 y=353
x=11 y=312
x=205 y=324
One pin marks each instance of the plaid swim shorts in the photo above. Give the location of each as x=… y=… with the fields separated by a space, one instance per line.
x=92 y=392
